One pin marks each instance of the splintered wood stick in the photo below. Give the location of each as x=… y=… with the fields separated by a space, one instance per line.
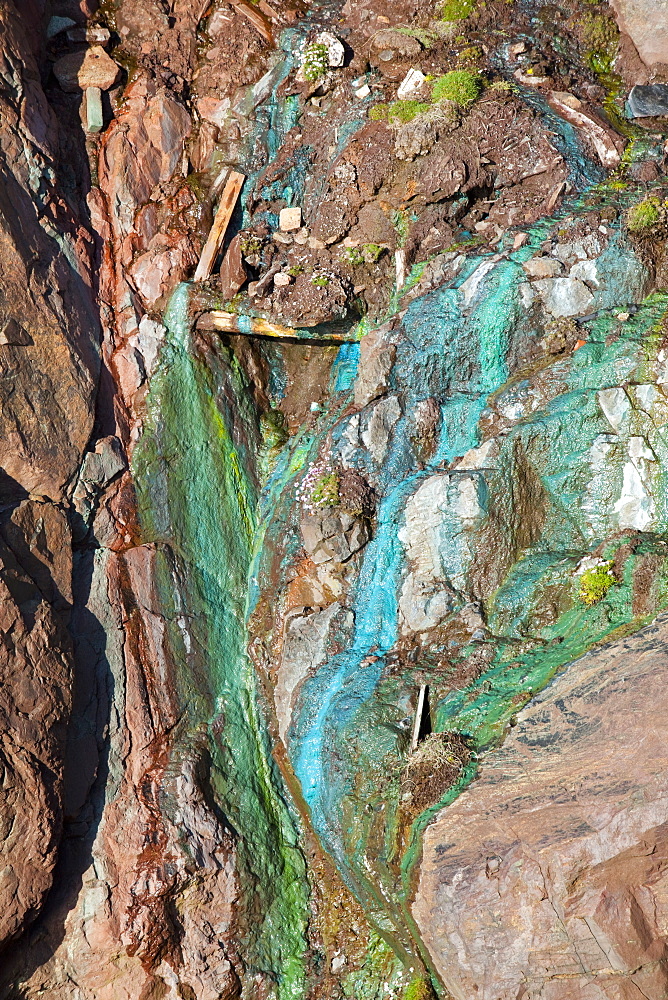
x=254 y=17
x=226 y=322
x=219 y=228
x=417 y=724
x=269 y=11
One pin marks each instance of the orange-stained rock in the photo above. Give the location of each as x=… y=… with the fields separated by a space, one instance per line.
x=35 y=703
x=548 y=878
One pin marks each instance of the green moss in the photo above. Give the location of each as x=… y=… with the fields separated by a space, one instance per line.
x=472 y=55
x=456 y=10
x=418 y=989
x=379 y=112
x=596 y=582
x=367 y=253
x=459 y=85
x=402 y=112
x=321 y=281
x=295 y=270
x=315 y=61
x=600 y=34
x=645 y=216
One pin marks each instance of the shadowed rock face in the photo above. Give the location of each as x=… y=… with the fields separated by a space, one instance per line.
x=547 y=878
x=35 y=702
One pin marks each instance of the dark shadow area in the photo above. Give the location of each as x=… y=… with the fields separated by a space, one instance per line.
x=425 y=722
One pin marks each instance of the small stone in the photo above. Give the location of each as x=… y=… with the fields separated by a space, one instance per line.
x=622 y=317
x=646 y=171
x=290 y=220
x=57 y=25
x=315 y=244
x=520 y=240
x=363 y=91
x=542 y=267
x=336 y=53
x=232 y=271
x=587 y=271
x=79 y=70
x=94 y=116
x=213 y=110
x=282 y=279
x=302 y=237
x=97 y=34
x=411 y=84
x=565 y=296
x=517 y=48
x=648 y=101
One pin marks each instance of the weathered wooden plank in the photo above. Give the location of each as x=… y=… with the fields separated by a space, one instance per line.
x=226 y=322
x=221 y=222
x=255 y=18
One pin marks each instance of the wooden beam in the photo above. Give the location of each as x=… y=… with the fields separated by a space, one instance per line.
x=221 y=222
x=226 y=322
x=255 y=18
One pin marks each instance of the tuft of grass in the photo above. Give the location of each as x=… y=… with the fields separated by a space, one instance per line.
x=644 y=216
x=320 y=281
x=456 y=10
x=402 y=112
x=459 y=86
x=596 y=582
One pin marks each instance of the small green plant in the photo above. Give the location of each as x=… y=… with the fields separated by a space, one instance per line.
x=319 y=488
x=250 y=244
x=418 y=989
x=470 y=56
x=459 y=86
x=401 y=224
x=315 y=62
x=367 y=253
x=456 y=10
x=353 y=255
x=596 y=582
x=378 y=112
x=326 y=491
x=402 y=112
x=644 y=216
x=295 y=270
x=320 y=281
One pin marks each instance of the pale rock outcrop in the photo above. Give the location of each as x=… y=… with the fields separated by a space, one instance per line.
x=546 y=878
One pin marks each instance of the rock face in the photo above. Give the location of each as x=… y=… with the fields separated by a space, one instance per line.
x=645 y=23
x=36 y=657
x=242 y=575
x=547 y=878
